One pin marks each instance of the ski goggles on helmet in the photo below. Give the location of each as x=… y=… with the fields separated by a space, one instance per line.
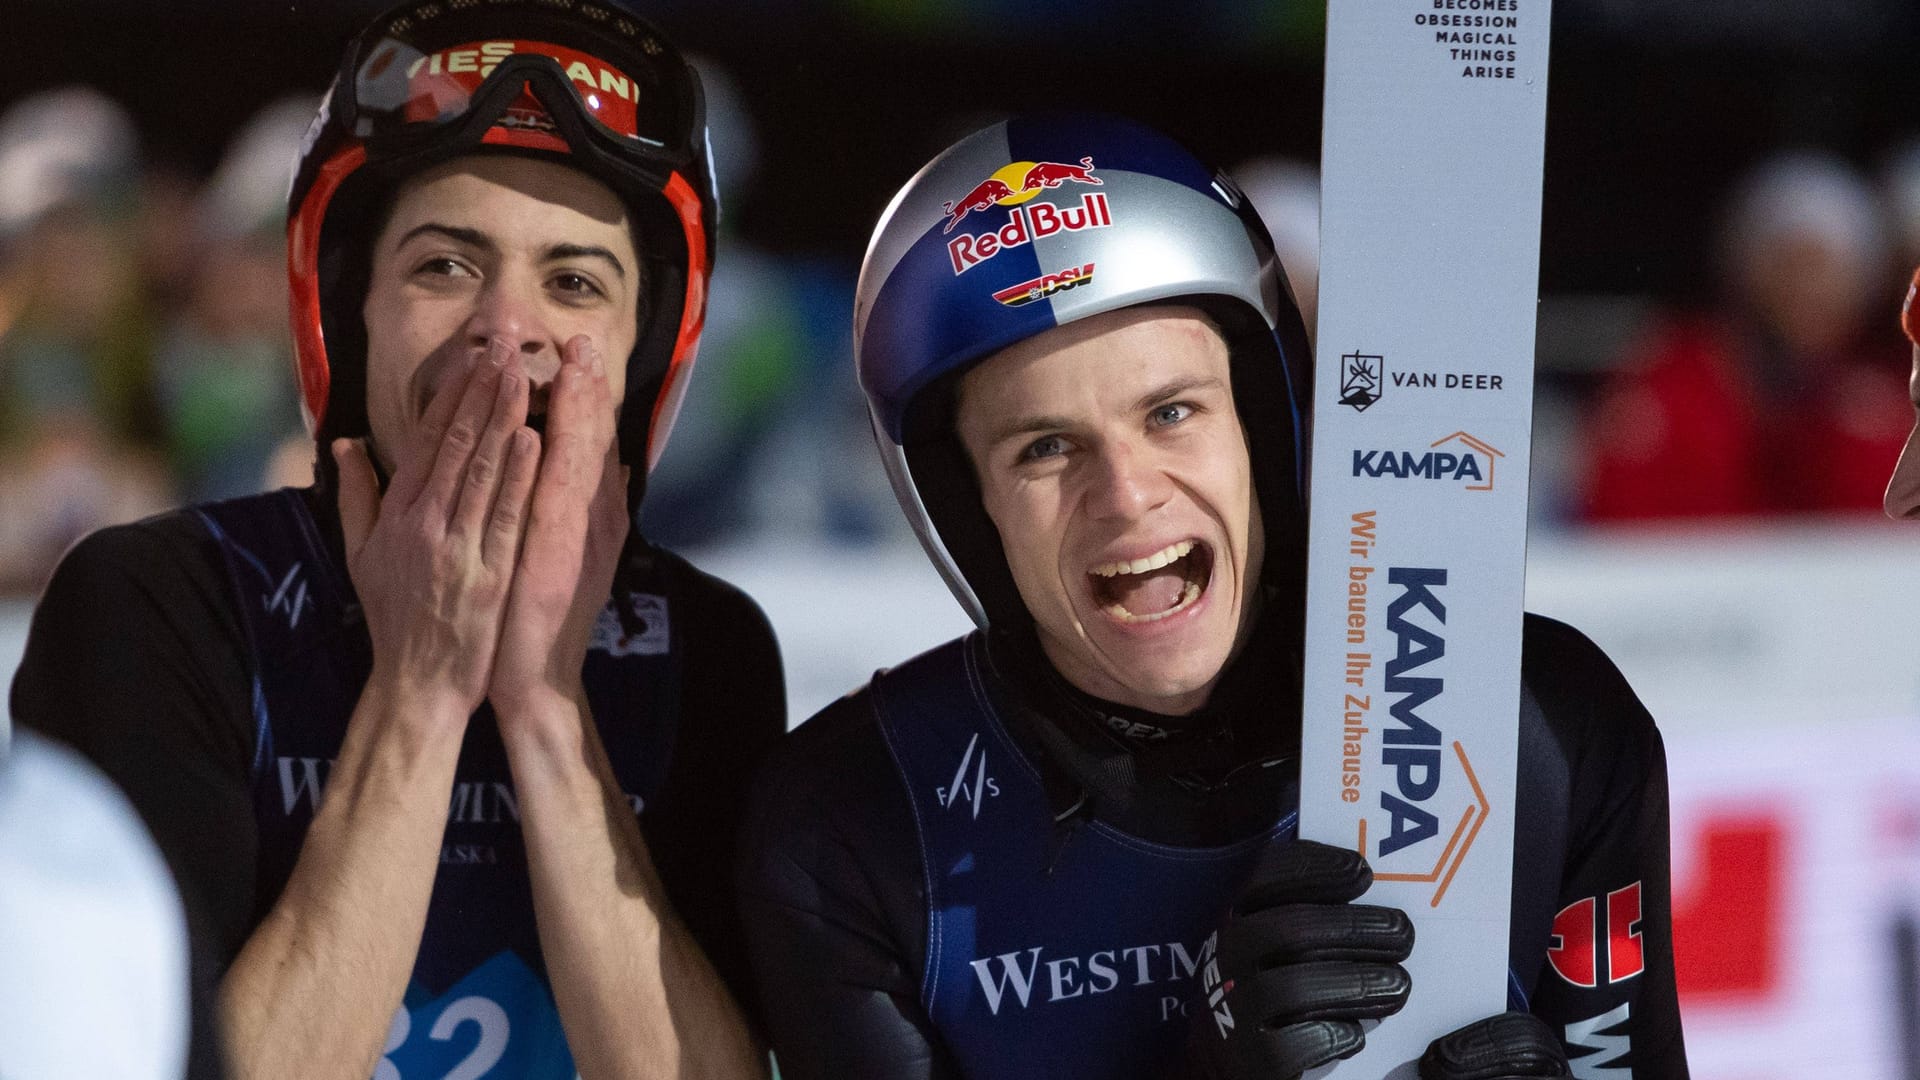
x=439 y=64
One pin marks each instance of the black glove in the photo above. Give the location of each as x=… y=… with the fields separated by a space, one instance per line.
x=1295 y=967
x=1509 y=1046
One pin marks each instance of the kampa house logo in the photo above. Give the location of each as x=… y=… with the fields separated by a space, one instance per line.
x=1414 y=748
x=1459 y=458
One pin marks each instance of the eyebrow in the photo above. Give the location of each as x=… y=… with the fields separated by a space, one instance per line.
x=1159 y=395
x=586 y=251
x=477 y=239
x=1027 y=425
x=1173 y=388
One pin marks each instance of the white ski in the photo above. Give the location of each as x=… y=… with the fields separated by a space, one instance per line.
x=1430 y=250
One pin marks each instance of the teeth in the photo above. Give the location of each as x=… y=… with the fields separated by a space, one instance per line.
x=1164 y=557
x=1187 y=596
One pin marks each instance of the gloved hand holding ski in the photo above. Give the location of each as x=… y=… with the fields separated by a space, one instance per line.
x=1295 y=967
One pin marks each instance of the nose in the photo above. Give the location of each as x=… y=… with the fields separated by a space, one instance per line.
x=505 y=312
x=1129 y=484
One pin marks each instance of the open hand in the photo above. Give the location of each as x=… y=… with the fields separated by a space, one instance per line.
x=1296 y=966
x=576 y=526
x=432 y=558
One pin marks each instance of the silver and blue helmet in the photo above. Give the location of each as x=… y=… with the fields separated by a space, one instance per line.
x=1033 y=223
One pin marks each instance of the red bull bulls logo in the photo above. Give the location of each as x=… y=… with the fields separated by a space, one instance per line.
x=1011 y=186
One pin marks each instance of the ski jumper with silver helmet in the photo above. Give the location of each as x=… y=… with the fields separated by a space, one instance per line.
x=588 y=84
x=1039 y=945
x=1034 y=223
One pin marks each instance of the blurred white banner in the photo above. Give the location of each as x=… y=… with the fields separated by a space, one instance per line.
x=1783 y=665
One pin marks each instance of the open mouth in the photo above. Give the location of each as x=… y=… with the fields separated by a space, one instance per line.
x=537 y=409
x=1149 y=589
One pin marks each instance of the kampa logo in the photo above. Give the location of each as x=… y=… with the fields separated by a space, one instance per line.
x=1362 y=377
x=1045 y=285
x=1470 y=464
x=1413 y=745
x=973 y=789
x=1011 y=186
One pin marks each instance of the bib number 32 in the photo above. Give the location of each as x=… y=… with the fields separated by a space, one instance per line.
x=485 y=1014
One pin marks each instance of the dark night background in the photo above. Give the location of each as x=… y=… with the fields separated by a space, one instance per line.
x=1655 y=105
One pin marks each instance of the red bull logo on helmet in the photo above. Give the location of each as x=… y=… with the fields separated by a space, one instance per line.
x=1012 y=186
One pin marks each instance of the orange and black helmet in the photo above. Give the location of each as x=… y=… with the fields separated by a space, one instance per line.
x=585 y=82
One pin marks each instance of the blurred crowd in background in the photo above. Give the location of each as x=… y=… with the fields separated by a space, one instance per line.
x=145 y=357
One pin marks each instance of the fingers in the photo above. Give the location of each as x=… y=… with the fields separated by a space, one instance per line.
x=408 y=479
x=359 y=494
x=1505 y=1045
x=1323 y=990
x=501 y=548
x=579 y=429
x=482 y=487
x=581 y=405
x=610 y=519
x=462 y=436
x=1298 y=933
x=1291 y=1050
x=1304 y=871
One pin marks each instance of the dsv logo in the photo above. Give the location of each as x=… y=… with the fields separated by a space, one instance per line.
x=973 y=788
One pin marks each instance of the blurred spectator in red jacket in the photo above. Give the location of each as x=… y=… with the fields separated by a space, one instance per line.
x=1785 y=401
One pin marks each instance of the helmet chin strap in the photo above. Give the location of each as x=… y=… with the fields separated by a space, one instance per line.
x=1206 y=784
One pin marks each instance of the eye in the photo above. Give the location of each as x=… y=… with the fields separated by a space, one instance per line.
x=1170 y=414
x=1044 y=447
x=443 y=266
x=577 y=285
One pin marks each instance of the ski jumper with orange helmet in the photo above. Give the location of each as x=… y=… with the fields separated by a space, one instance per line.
x=592 y=86
x=585 y=83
